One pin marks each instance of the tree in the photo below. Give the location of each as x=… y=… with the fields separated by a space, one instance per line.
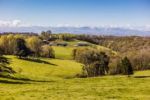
x=95 y=62
x=21 y=50
x=4 y=43
x=140 y=59
x=11 y=44
x=47 y=51
x=7 y=44
x=126 y=66
x=66 y=37
x=46 y=35
x=34 y=43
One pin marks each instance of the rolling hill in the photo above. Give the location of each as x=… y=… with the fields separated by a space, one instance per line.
x=39 y=81
x=54 y=79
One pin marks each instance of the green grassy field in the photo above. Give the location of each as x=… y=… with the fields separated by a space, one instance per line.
x=63 y=52
x=46 y=68
x=53 y=79
x=66 y=52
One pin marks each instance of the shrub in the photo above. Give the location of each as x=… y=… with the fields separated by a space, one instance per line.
x=47 y=51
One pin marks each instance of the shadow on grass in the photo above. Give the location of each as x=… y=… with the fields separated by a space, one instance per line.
x=38 y=61
x=23 y=79
x=141 y=76
x=12 y=82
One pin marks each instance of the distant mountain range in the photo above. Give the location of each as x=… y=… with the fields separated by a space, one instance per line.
x=80 y=30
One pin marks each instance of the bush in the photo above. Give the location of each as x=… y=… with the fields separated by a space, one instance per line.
x=47 y=51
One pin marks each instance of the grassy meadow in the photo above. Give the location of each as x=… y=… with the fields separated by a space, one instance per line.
x=53 y=79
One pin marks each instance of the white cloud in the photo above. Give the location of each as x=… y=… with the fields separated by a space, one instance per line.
x=19 y=23
x=16 y=22
x=8 y=23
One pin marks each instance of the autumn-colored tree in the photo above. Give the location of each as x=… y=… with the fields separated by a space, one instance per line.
x=4 y=43
x=35 y=43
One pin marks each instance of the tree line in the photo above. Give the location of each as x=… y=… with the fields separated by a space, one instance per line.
x=136 y=48
x=96 y=63
x=24 y=45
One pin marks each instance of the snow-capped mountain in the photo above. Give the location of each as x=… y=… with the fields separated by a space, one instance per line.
x=117 y=31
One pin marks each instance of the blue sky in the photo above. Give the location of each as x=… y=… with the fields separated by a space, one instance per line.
x=75 y=12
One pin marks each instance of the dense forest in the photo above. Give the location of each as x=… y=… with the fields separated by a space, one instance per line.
x=135 y=47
